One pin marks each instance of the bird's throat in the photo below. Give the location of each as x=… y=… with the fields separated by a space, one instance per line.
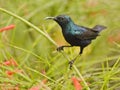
x=67 y=26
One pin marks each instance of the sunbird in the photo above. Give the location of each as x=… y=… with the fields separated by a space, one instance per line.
x=76 y=35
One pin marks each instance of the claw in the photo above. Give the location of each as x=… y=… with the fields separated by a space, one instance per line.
x=60 y=48
x=71 y=63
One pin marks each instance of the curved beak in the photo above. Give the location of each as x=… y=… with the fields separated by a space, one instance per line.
x=47 y=18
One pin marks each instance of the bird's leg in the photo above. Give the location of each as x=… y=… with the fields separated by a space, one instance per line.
x=61 y=47
x=72 y=61
x=81 y=50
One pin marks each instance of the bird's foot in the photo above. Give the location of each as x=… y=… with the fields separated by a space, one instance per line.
x=60 y=48
x=71 y=63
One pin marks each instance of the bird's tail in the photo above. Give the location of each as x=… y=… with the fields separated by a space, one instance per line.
x=99 y=28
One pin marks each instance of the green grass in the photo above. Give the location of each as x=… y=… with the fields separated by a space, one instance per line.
x=33 y=42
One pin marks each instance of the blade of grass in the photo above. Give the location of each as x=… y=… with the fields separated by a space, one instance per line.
x=27 y=51
x=77 y=71
x=37 y=72
x=30 y=24
x=46 y=36
x=109 y=74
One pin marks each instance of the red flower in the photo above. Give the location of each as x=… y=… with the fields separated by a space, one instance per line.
x=10 y=73
x=7 y=28
x=7 y=63
x=10 y=62
x=76 y=83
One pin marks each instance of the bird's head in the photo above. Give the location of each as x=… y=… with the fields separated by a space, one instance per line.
x=62 y=20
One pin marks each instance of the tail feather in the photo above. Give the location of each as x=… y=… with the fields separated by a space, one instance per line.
x=99 y=28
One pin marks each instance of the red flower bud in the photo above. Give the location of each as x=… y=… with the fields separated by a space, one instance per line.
x=7 y=28
x=76 y=83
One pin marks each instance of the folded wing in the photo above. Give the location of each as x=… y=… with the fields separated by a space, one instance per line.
x=88 y=33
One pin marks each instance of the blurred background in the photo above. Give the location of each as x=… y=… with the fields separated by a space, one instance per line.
x=35 y=54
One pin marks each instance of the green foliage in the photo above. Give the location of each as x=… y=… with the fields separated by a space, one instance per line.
x=33 y=41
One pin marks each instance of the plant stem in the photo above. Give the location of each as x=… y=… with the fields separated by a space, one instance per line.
x=30 y=24
x=77 y=71
x=46 y=36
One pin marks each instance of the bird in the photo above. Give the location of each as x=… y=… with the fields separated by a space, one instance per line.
x=76 y=35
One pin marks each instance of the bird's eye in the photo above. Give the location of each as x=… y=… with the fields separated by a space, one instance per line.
x=61 y=18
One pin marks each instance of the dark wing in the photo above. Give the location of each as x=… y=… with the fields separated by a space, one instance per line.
x=99 y=28
x=89 y=33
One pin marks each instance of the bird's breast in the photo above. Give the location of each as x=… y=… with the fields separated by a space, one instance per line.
x=70 y=38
